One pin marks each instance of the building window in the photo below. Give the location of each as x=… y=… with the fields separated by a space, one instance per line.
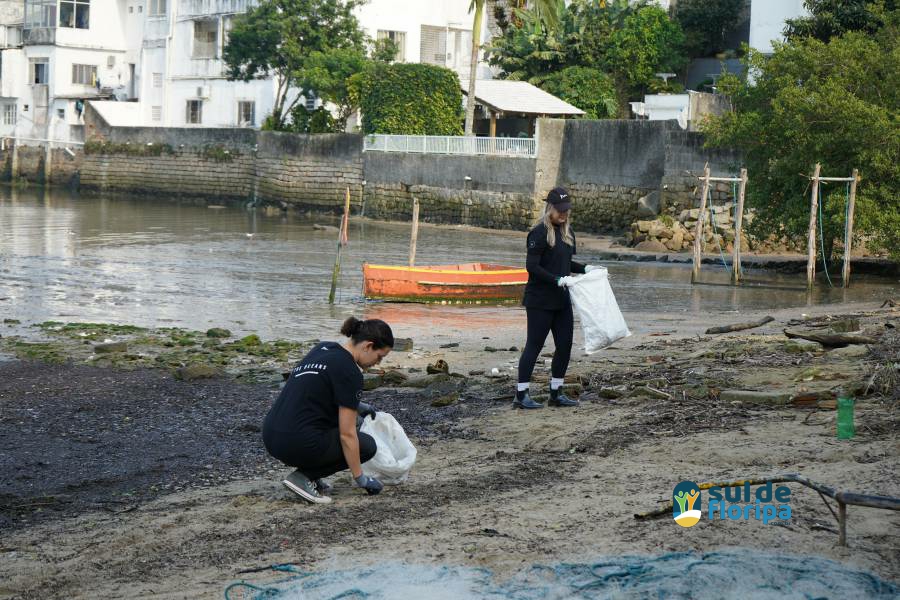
x=75 y=13
x=157 y=8
x=156 y=113
x=206 y=36
x=310 y=100
x=399 y=38
x=246 y=114
x=40 y=13
x=84 y=74
x=39 y=70
x=130 y=10
x=9 y=114
x=61 y=113
x=194 y=113
x=13 y=36
x=157 y=80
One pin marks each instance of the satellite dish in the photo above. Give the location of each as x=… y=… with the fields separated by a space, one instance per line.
x=665 y=77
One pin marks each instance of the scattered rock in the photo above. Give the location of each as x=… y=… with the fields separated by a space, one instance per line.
x=250 y=340
x=427 y=380
x=850 y=352
x=513 y=349
x=476 y=372
x=12 y=321
x=445 y=400
x=111 y=347
x=450 y=345
x=801 y=346
x=490 y=349
x=211 y=343
x=403 y=344
x=439 y=366
x=649 y=206
x=218 y=332
x=845 y=326
x=394 y=377
x=372 y=381
x=197 y=371
x=651 y=246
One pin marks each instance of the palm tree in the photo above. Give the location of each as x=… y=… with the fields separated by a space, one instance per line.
x=547 y=11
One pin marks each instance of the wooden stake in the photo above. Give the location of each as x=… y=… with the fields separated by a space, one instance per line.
x=738 y=223
x=340 y=244
x=848 y=229
x=415 y=232
x=811 y=244
x=698 y=230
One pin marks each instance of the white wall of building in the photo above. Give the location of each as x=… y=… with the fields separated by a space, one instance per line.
x=767 y=21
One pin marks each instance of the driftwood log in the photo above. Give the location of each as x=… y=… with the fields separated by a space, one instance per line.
x=889 y=302
x=740 y=326
x=833 y=340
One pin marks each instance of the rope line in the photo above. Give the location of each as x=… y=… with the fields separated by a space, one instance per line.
x=822 y=240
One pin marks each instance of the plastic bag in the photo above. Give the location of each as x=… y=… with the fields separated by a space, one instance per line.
x=598 y=311
x=395 y=455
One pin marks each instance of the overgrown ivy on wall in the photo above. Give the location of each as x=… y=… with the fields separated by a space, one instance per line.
x=412 y=99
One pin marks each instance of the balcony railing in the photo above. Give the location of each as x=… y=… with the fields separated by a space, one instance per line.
x=452 y=144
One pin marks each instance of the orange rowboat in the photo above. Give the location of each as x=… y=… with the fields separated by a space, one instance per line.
x=469 y=282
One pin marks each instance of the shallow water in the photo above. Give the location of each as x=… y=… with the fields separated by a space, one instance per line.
x=161 y=262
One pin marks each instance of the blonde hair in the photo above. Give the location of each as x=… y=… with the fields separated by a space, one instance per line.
x=566 y=227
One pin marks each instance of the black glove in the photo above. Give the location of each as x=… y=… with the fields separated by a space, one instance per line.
x=365 y=409
x=370 y=484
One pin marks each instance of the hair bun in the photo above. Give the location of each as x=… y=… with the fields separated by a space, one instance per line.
x=351 y=326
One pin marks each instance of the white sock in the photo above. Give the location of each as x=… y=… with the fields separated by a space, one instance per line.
x=556 y=383
x=521 y=386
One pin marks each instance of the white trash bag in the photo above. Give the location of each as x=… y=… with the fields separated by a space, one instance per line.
x=395 y=455
x=601 y=319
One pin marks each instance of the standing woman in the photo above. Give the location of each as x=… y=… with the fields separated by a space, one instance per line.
x=551 y=245
x=312 y=425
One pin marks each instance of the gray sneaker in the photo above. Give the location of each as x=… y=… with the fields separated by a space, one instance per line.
x=323 y=487
x=301 y=485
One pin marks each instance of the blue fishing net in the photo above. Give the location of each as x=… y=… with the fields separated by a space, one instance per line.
x=734 y=574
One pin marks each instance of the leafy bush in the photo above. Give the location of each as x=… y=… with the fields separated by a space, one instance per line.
x=835 y=103
x=406 y=98
x=591 y=90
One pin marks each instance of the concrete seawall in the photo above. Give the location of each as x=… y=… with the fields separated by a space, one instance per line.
x=617 y=171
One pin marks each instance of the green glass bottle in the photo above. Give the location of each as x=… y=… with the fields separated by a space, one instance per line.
x=845 y=428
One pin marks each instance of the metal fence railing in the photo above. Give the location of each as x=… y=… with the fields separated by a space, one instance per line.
x=452 y=144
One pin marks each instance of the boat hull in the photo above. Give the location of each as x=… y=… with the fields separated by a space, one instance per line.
x=461 y=283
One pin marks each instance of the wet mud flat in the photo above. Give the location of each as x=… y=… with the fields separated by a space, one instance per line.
x=196 y=500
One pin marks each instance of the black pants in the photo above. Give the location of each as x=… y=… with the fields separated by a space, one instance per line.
x=540 y=323
x=317 y=456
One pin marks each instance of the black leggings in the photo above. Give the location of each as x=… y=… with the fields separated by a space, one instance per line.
x=319 y=457
x=540 y=323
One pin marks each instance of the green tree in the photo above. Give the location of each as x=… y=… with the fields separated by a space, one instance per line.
x=276 y=39
x=836 y=103
x=647 y=43
x=408 y=98
x=328 y=73
x=547 y=12
x=706 y=24
x=591 y=90
x=832 y=18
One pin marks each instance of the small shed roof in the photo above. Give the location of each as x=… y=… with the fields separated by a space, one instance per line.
x=507 y=96
x=118 y=114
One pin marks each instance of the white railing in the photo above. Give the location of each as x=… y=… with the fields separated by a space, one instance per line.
x=452 y=144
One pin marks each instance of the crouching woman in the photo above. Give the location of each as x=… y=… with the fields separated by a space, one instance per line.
x=313 y=424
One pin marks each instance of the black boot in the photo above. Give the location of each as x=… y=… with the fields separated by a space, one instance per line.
x=558 y=398
x=523 y=400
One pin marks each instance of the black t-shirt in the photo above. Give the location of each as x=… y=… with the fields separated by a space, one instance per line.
x=322 y=381
x=545 y=265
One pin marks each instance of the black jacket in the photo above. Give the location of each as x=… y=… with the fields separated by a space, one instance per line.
x=545 y=266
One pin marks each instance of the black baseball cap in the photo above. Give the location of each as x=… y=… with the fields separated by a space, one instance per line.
x=559 y=198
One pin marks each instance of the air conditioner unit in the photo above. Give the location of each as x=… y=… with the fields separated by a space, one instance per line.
x=110 y=61
x=203 y=91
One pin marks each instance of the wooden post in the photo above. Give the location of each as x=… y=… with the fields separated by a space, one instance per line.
x=738 y=223
x=493 y=131
x=842 y=524
x=340 y=244
x=698 y=230
x=848 y=229
x=14 y=170
x=811 y=244
x=48 y=163
x=415 y=232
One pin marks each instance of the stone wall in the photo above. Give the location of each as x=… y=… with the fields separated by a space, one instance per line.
x=309 y=171
x=65 y=168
